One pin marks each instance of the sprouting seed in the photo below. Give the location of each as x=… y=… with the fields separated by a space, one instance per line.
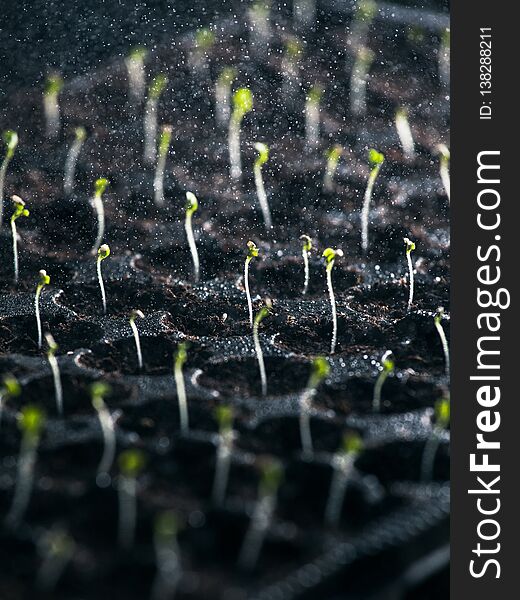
x=442 y=421
x=31 y=422
x=157 y=87
x=10 y=388
x=387 y=367
x=51 y=106
x=204 y=42
x=103 y=252
x=131 y=463
x=444 y=169
x=252 y=252
x=162 y=153
x=80 y=135
x=167 y=556
x=375 y=161
x=19 y=211
x=343 y=464
x=44 y=280
x=242 y=104
x=410 y=247
x=10 y=139
x=53 y=363
x=333 y=156
x=57 y=548
x=304 y=13
x=180 y=358
x=192 y=205
x=223 y=95
x=100 y=185
x=261 y=159
x=260 y=315
x=437 y=320
x=358 y=81
x=133 y=316
x=330 y=256
x=226 y=437
x=444 y=58
x=98 y=391
x=306 y=250
x=136 y=74
x=319 y=371
x=312 y=117
x=405 y=133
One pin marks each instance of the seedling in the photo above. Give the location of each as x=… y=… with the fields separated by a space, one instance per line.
x=167 y=556
x=261 y=159
x=387 y=367
x=442 y=421
x=131 y=463
x=80 y=135
x=100 y=185
x=204 y=42
x=260 y=31
x=180 y=358
x=53 y=363
x=11 y=141
x=445 y=348
x=306 y=250
x=223 y=95
x=103 y=252
x=133 y=316
x=192 y=205
x=162 y=153
x=364 y=15
x=375 y=160
x=42 y=282
x=10 y=388
x=358 y=81
x=260 y=315
x=252 y=252
x=304 y=13
x=31 y=422
x=136 y=74
x=330 y=256
x=51 y=106
x=333 y=156
x=290 y=70
x=242 y=104
x=270 y=480
x=444 y=58
x=224 y=416
x=319 y=371
x=410 y=247
x=19 y=210
x=157 y=87
x=444 y=168
x=312 y=117
x=56 y=548
x=405 y=133
x=99 y=391
x=343 y=465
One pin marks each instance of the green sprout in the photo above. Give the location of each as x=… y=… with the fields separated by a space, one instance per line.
x=242 y=104
x=330 y=256
x=100 y=185
x=343 y=464
x=53 y=363
x=136 y=74
x=358 y=81
x=375 y=161
x=51 y=107
x=31 y=422
x=10 y=139
x=133 y=316
x=444 y=169
x=157 y=87
x=57 y=548
x=404 y=132
x=80 y=135
x=260 y=316
x=192 y=205
x=226 y=437
x=98 y=391
x=167 y=556
x=333 y=155
x=162 y=153
x=19 y=210
x=306 y=250
x=10 y=388
x=102 y=253
x=261 y=159
x=387 y=367
x=319 y=371
x=410 y=247
x=44 y=280
x=270 y=479
x=223 y=95
x=131 y=464
x=444 y=58
x=252 y=252
x=180 y=359
x=312 y=117
x=442 y=413
x=437 y=320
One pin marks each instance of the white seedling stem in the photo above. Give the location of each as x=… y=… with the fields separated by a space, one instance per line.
x=127 y=487
x=188 y=227
x=343 y=465
x=254 y=538
x=259 y=183
x=305 y=255
x=312 y=122
x=72 y=161
x=136 y=337
x=58 y=388
x=387 y=367
x=181 y=397
x=15 y=250
x=106 y=422
x=404 y=132
x=444 y=342
x=305 y=425
x=51 y=109
x=259 y=357
x=365 y=212
x=136 y=78
x=101 y=286
x=333 y=309
x=248 y=293
x=235 y=159
x=224 y=453
x=150 y=130
x=168 y=567
x=358 y=82
x=97 y=203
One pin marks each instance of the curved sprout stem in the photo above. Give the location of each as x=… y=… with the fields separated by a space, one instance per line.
x=444 y=168
x=51 y=109
x=55 y=369
x=101 y=285
x=343 y=467
x=15 y=250
x=312 y=118
x=444 y=341
x=150 y=130
x=224 y=453
x=181 y=388
x=334 y=313
x=376 y=159
x=235 y=160
x=134 y=63
x=388 y=366
x=44 y=280
x=305 y=255
x=188 y=227
x=410 y=246
x=126 y=487
x=358 y=81
x=135 y=332
x=97 y=203
x=72 y=161
x=404 y=132
x=259 y=356
x=106 y=422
